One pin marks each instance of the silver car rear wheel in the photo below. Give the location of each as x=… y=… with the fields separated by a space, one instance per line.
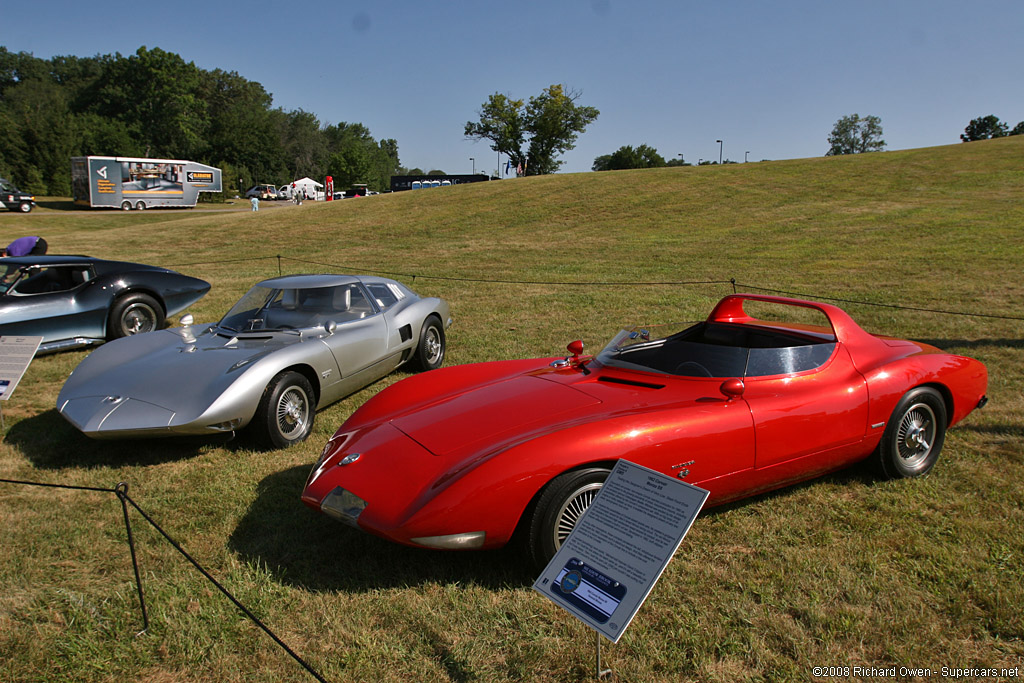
x=431 y=348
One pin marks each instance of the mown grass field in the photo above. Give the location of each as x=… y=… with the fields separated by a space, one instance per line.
x=844 y=571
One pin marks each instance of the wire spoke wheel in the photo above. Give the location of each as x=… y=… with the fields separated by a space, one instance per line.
x=557 y=511
x=292 y=412
x=286 y=411
x=916 y=435
x=572 y=510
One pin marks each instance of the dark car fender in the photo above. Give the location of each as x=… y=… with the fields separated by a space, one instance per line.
x=173 y=291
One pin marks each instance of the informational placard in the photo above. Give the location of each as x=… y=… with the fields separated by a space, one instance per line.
x=15 y=355
x=619 y=548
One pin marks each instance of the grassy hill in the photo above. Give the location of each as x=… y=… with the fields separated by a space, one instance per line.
x=848 y=570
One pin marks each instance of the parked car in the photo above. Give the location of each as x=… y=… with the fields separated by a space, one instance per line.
x=735 y=404
x=14 y=199
x=261 y=191
x=74 y=301
x=291 y=345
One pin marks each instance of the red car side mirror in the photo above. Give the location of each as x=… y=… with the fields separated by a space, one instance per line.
x=575 y=348
x=732 y=388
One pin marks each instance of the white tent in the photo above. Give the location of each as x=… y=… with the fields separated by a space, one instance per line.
x=314 y=190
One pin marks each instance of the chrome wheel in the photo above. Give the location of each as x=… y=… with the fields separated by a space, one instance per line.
x=916 y=435
x=137 y=318
x=557 y=511
x=286 y=412
x=292 y=413
x=432 y=343
x=571 y=511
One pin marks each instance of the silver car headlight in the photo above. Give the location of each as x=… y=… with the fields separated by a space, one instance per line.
x=343 y=506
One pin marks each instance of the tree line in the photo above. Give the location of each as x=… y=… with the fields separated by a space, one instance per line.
x=851 y=134
x=155 y=104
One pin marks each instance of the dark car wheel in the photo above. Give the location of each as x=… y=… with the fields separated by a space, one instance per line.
x=24 y=207
x=141 y=206
x=126 y=206
x=286 y=411
x=134 y=314
x=559 y=507
x=431 y=347
x=914 y=436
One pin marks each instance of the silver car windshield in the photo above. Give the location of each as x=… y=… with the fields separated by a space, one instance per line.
x=717 y=350
x=264 y=309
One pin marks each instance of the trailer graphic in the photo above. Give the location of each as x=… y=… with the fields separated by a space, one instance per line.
x=134 y=183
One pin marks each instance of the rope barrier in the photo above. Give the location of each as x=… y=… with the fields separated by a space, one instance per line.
x=121 y=491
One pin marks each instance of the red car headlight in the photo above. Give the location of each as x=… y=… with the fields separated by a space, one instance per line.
x=343 y=506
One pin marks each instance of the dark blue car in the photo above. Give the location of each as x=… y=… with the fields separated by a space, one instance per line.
x=74 y=301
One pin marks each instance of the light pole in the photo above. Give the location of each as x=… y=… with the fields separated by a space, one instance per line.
x=745 y=156
x=680 y=158
x=474 y=165
x=720 y=146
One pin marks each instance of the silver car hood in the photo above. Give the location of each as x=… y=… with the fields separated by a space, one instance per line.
x=170 y=376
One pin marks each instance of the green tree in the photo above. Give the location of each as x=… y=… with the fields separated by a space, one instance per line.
x=984 y=128
x=628 y=157
x=855 y=135
x=156 y=94
x=1018 y=129
x=546 y=126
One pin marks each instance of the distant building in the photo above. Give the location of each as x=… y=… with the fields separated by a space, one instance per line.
x=417 y=182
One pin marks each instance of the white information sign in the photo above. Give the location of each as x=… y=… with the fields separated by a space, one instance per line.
x=620 y=546
x=15 y=355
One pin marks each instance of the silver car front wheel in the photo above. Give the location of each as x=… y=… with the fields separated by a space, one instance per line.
x=286 y=411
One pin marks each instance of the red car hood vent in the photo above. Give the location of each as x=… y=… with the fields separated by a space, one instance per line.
x=492 y=413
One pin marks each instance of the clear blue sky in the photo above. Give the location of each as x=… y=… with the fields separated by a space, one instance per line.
x=771 y=78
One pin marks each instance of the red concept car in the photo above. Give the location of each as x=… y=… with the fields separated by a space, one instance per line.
x=459 y=458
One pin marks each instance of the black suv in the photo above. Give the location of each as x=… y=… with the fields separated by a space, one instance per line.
x=14 y=199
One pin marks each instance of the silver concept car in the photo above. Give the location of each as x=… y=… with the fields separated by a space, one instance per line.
x=291 y=345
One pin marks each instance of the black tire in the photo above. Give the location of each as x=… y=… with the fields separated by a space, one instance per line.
x=431 y=347
x=126 y=206
x=914 y=436
x=134 y=314
x=25 y=207
x=140 y=206
x=286 y=411
x=560 y=505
